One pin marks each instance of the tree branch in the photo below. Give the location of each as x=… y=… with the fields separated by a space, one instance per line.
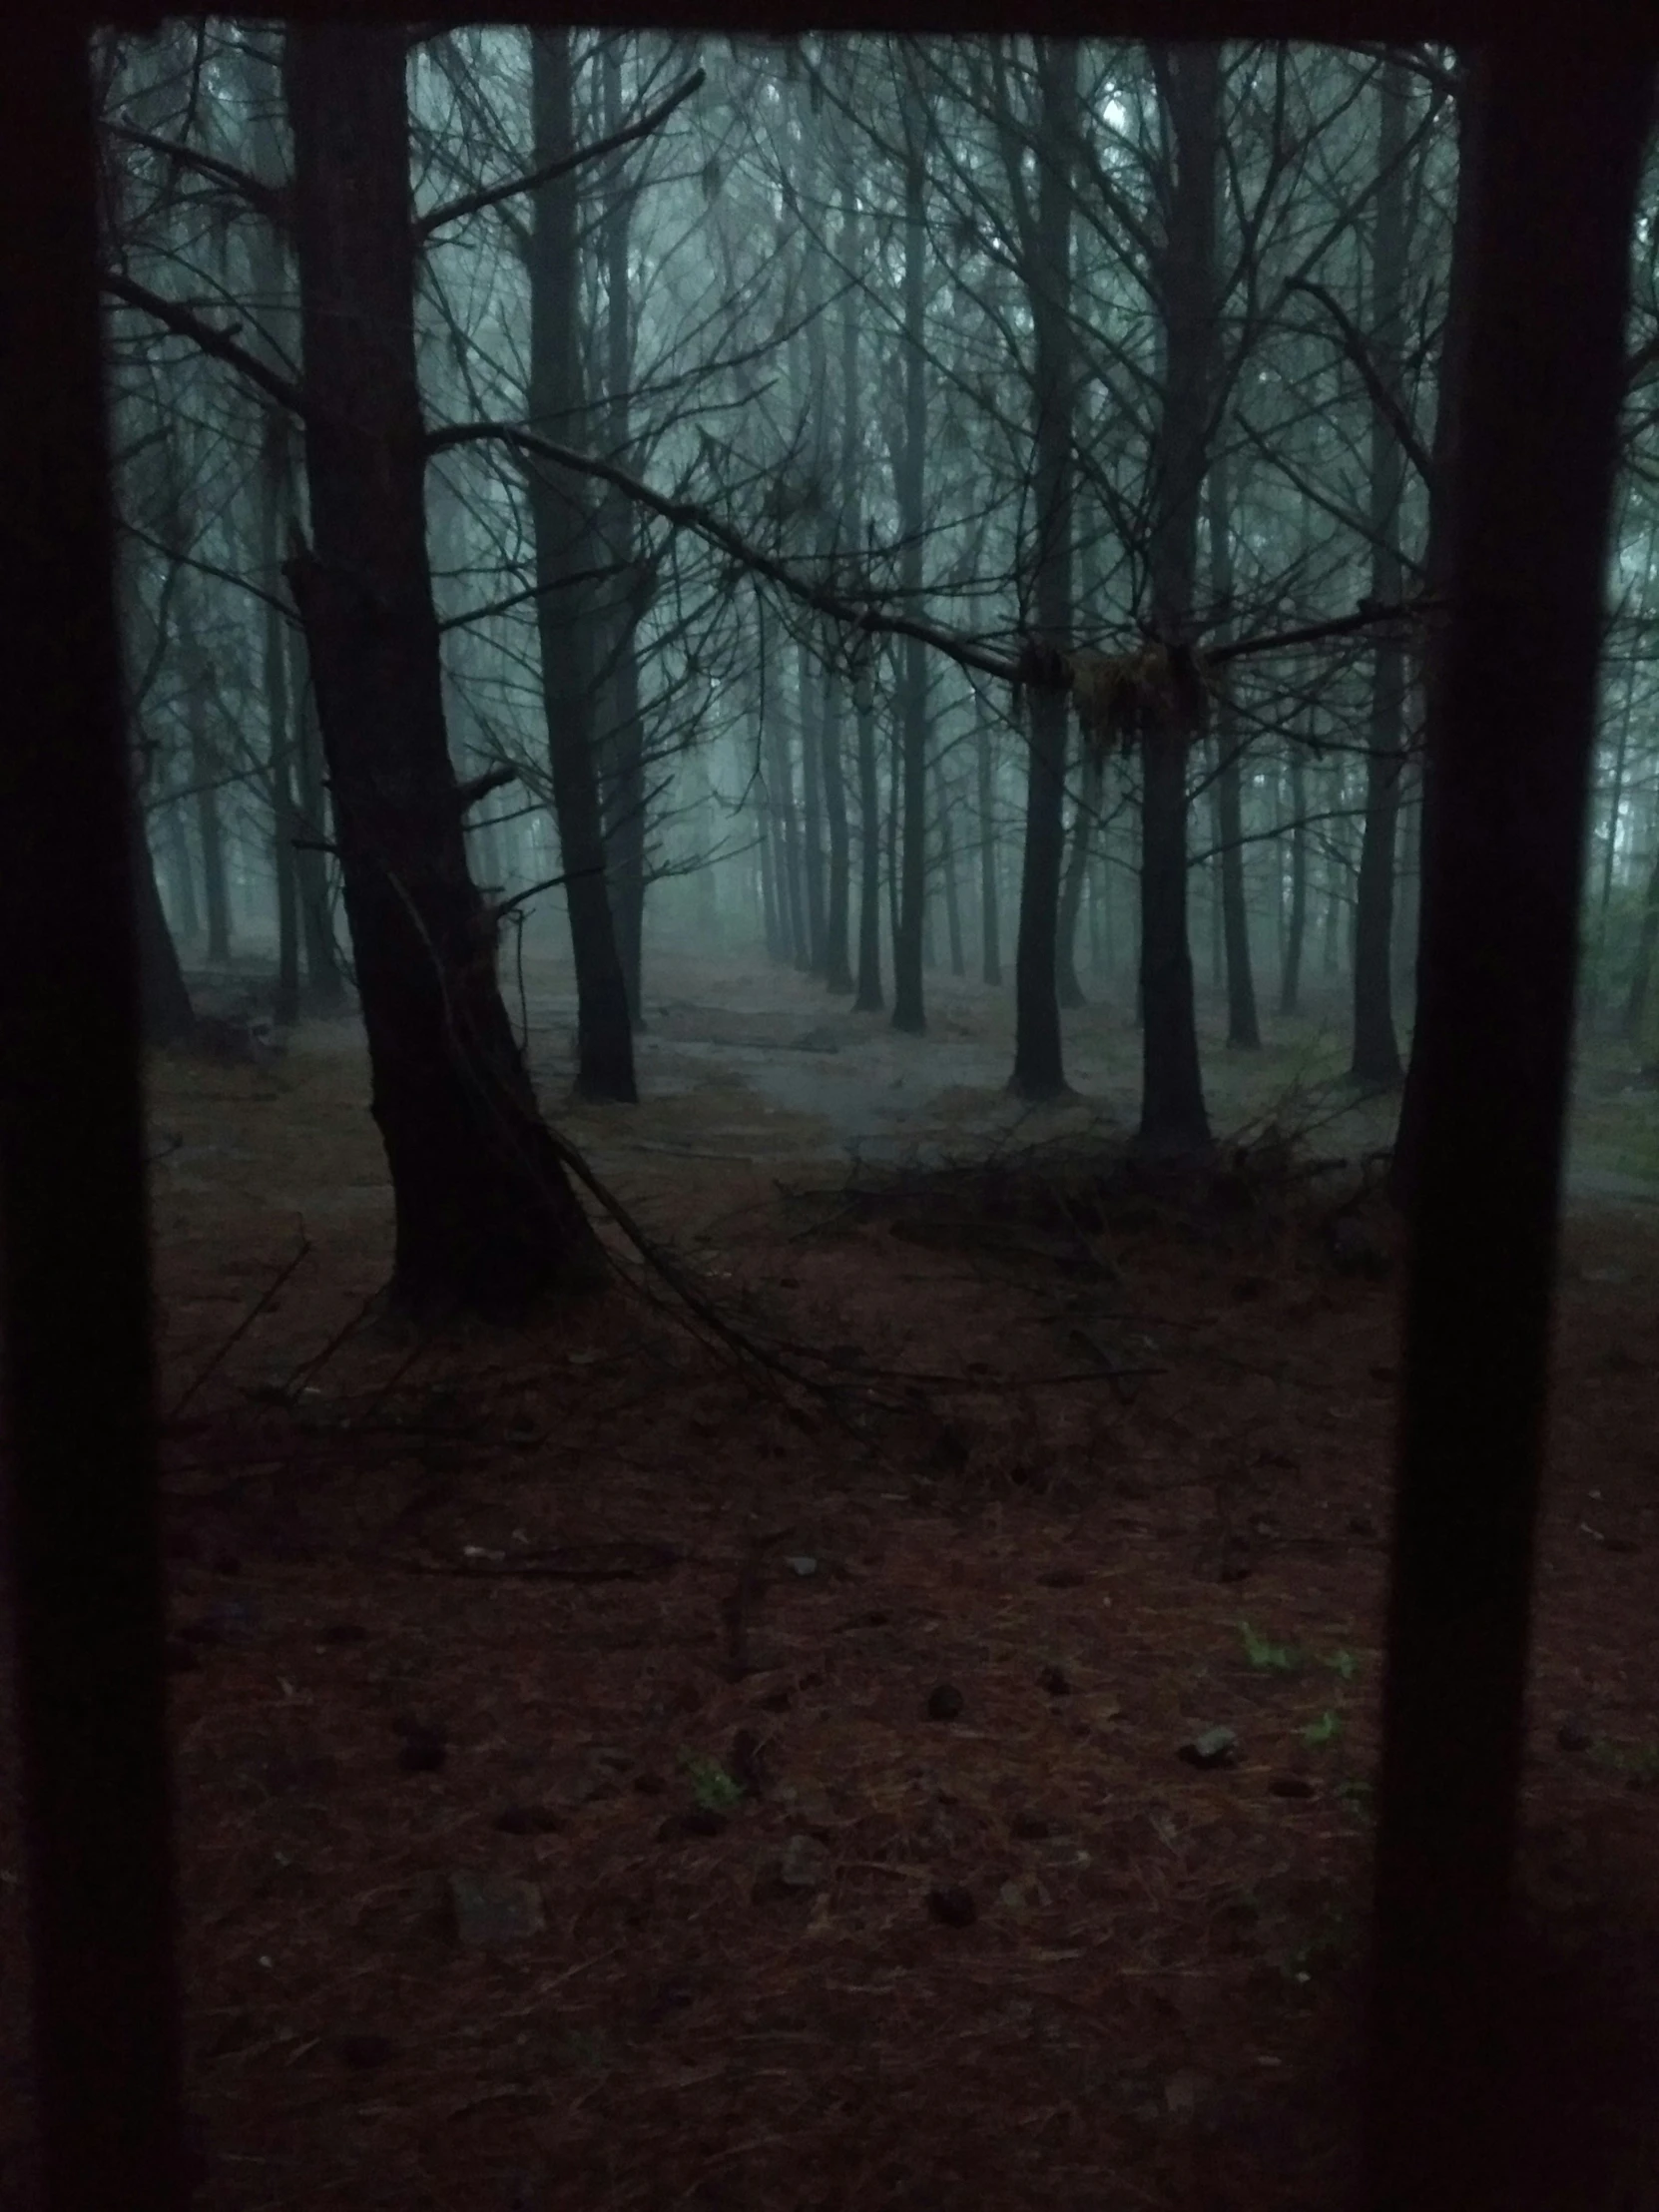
x=221 y=345
x=268 y=200
x=1387 y=402
x=1369 y=611
x=469 y=794
x=686 y=514
x=1040 y=672
x=473 y=203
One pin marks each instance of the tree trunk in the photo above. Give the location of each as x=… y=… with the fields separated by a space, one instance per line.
x=275 y=519
x=772 y=912
x=1173 y=1116
x=568 y=545
x=868 y=999
x=1461 y=2110
x=1244 y=1029
x=808 y=698
x=625 y=826
x=1077 y=866
x=947 y=864
x=1595 y=990
x=838 y=968
x=165 y=1007
x=1444 y=463
x=990 y=948
x=782 y=782
x=324 y=986
x=908 y=1008
x=205 y=769
x=484 y=1215
x=1039 y=1070
x=1641 y=973
x=1377 y=1062
x=1296 y=935
x=273 y=516
x=181 y=868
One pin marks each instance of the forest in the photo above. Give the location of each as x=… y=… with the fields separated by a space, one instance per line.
x=776 y=695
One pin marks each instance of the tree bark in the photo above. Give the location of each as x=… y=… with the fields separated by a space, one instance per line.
x=990 y=948
x=625 y=825
x=205 y=769
x=808 y=702
x=1039 y=1069
x=909 y=1011
x=947 y=868
x=837 y=967
x=868 y=999
x=1244 y=1029
x=485 y=1218
x=1077 y=866
x=166 y=1011
x=1295 y=934
x=272 y=519
x=567 y=545
x=1377 y=1062
x=1554 y=186
x=1445 y=459
x=1641 y=973
x=325 y=984
x=1173 y=1115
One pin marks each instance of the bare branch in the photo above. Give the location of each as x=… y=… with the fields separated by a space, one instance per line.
x=686 y=514
x=221 y=345
x=1387 y=402
x=469 y=794
x=1039 y=671
x=473 y=203
x=268 y=200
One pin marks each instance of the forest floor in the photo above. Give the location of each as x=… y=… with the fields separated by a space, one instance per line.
x=609 y=1781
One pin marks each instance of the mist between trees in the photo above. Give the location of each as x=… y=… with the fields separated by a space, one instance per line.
x=885 y=502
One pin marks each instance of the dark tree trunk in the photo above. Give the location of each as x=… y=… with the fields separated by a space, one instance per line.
x=1173 y=1116
x=1641 y=973
x=324 y=986
x=275 y=519
x=947 y=866
x=168 y=1015
x=567 y=545
x=1244 y=1029
x=909 y=1011
x=990 y=947
x=808 y=700
x=894 y=784
x=625 y=832
x=205 y=766
x=1377 y=1062
x=181 y=868
x=485 y=1216
x=1296 y=935
x=1077 y=867
x=1039 y=1068
x=793 y=903
x=770 y=909
x=1593 y=986
x=838 y=968
x=868 y=999
x=625 y=828
x=1218 y=947
x=1462 y=2110
x=1445 y=460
